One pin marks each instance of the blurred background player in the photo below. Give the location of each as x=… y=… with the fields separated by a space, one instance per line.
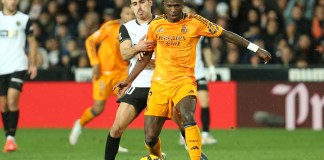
x=15 y=28
x=132 y=42
x=108 y=68
x=202 y=50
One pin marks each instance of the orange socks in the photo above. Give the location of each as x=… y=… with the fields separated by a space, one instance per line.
x=87 y=116
x=155 y=150
x=193 y=141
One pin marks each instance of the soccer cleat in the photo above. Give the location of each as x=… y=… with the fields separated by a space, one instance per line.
x=122 y=149
x=208 y=140
x=75 y=133
x=10 y=146
x=163 y=156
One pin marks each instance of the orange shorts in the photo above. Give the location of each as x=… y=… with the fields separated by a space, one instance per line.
x=161 y=104
x=103 y=87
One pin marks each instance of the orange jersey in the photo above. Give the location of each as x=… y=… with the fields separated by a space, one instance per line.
x=175 y=51
x=108 y=56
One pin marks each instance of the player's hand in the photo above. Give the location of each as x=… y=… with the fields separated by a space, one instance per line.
x=32 y=71
x=265 y=55
x=143 y=45
x=212 y=73
x=96 y=71
x=122 y=87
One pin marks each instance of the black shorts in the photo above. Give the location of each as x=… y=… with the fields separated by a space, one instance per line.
x=12 y=80
x=202 y=84
x=136 y=97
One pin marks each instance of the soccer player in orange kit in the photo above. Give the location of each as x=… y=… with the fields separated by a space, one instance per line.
x=173 y=84
x=108 y=68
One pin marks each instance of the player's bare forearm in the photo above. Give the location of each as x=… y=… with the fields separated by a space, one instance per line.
x=128 y=53
x=238 y=40
x=33 y=50
x=234 y=38
x=140 y=65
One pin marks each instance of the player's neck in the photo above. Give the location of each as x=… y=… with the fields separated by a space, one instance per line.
x=7 y=12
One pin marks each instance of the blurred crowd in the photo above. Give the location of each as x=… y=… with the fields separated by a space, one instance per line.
x=291 y=30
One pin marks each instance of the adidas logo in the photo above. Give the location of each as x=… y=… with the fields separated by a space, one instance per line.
x=194 y=148
x=191 y=91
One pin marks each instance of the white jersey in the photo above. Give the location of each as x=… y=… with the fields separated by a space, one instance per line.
x=13 y=30
x=134 y=31
x=199 y=68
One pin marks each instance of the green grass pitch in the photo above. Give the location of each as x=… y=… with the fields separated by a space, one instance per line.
x=240 y=144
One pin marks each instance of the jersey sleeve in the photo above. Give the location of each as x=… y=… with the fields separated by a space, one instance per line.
x=207 y=28
x=123 y=34
x=29 y=31
x=150 y=34
x=93 y=40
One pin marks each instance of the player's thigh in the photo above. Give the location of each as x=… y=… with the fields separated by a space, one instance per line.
x=158 y=105
x=16 y=83
x=153 y=126
x=125 y=114
x=184 y=97
x=187 y=107
x=137 y=97
x=203 y=98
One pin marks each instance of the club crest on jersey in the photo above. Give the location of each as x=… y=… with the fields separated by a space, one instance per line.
x=161 y=30
x=18 y=23
x=184 y=29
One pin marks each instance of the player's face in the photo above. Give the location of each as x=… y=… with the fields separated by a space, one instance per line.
x=127 y=14
x=10 y=5
x=141 y=8
x=173 y=9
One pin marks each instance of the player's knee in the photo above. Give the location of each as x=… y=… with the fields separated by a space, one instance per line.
x=97 y=109
x=151 y=142
x=204 y=104
x=188 y=118
x=12 y=104
x=117 y=130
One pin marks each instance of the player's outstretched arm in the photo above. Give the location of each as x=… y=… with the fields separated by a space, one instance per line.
x=140 y=65
x=238 y=40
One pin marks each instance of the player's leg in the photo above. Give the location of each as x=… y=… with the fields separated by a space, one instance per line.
x=4 y=85
x=131 y=105
x=101 y=90
x=15 y=87
x=4 y=114
x=152 y=128
x=126 y=113
x=203 y=98
x=92 y=112
x=176 y=117
x=186 y=106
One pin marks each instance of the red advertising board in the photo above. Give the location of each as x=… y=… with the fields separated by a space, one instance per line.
x=59 y=104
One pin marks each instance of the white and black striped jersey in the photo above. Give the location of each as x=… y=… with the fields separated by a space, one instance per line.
x=134 y=31
x=199 y=68
x=13 y=32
